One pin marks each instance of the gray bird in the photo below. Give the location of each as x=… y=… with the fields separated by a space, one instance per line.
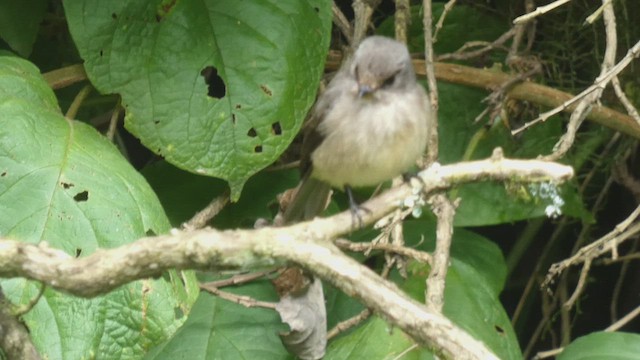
x=369 y=126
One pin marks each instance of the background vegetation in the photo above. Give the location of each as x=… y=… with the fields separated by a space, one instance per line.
x=181 y=102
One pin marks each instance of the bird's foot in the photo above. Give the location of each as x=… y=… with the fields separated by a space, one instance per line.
x=356 y=209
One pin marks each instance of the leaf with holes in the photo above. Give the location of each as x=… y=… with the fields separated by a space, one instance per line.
x=63 y=183
x=217 y=88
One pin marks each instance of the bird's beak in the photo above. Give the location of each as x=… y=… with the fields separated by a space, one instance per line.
x=365 y=89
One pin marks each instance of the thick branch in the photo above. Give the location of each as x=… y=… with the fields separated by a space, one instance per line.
x=306 y=244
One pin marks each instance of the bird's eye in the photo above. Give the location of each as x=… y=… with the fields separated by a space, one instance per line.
x=389 y=81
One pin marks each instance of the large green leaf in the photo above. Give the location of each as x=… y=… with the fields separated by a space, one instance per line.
x=63 y=183
x=20 y=22
x=268 y=56
x=474 y=281
x=603 y=346
x=220 y=329
x=184 y=194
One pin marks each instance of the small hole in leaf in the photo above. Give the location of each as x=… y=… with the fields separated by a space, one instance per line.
x=4 y=173
x=66 y=185
x=252 y=132
x=499 y=329
x=101 y=53
x=238 y=106
x=78 y=252
x=317 y=9
x=215 y=84
x=156 y=122
x=178 y=313
x=233 y=118
x=150 y=232
x=114 y=16
x=257 y=149
x=276 y=128
x=81 y=196
x=266 y=90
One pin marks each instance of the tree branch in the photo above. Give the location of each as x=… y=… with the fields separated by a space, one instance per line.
x=305 y=244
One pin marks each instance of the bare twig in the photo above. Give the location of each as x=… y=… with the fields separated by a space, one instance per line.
x=65 y=76
x=113 y=121
x=348 y=324
x=539 y=11
x=432 y=143
x=621 y=232
x=613 y=327
x=203 y=216
x=631 y=110
x=342 y=23
x=600 y=83
x=624 y=320
x=402 y=19
x=239 y=279
x=447 y=7
x=306 y=244
x=580 y=287
x=586 y=103
x=400 y=250
x=445 y=210
x=485 y=47
x=246 y=301
x=596 y=14
x=77 y=101
x=363 y=9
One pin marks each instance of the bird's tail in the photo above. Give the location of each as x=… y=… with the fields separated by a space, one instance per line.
x=310 y=200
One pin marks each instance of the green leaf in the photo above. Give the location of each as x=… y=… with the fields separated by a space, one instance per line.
x=603 y=346
x=220 y=329
x=63 y=183
x=268 y=56
x=20 y=22
x=184 y=194
x=474 y=281
x=375 y=339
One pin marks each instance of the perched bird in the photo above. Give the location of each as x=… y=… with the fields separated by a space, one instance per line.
x=370 y=125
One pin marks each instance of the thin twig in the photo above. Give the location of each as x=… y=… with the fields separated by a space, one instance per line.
x=23 y=309
x=463 y=54
x=77 y=102
x=203 y=216
x=624 y=320
x=432 y=143
x=447 y=7
x=539 y=11
x=621 y=232
x=402 y=19
x=585 y=105
x=363 y=10
x=624 y=100
x=445 y=210
x=342 y=23
x=113 y=121
x=239 y=279
x=596 y=14
x=243 y=300
x=417 y=255
x=348 y=324
x=600 y=83
x=580 y=287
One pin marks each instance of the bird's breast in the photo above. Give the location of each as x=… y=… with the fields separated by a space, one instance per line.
x=368 y=141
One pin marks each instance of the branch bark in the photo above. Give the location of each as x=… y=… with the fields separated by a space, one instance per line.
x=305 y=244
